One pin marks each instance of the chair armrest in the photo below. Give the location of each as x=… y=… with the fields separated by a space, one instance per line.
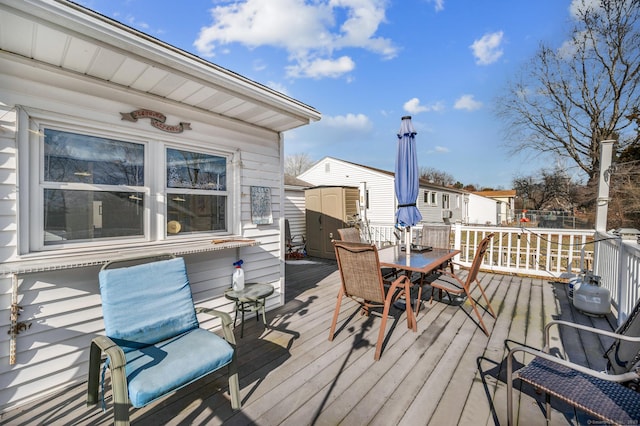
x=225 y=319
x=548 y=326
x=450 y=275
x=117 y=362
x=624 y=377
x=113 y=351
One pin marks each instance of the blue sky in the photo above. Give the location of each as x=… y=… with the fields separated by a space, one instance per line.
x=366 y=63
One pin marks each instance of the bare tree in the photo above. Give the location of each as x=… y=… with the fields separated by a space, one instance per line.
x=437 y=176
x=569 y=99
x=547 y=190
x=624 y=189
x=297 y=163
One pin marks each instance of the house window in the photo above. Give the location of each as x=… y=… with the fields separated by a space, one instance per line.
x=196 y=192
x=93 y=188
x=426 y=197
x=445 y=201
x=434 y=198
x=97 y=190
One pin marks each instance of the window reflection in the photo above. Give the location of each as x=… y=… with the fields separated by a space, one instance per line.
x=71 y=157
x=195 y=213
x=195 y=170
x=88 y=215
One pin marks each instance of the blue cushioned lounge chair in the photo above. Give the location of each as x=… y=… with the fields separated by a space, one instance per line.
x=154 y=344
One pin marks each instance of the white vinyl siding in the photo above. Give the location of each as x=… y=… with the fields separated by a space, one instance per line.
x=380 y=186
x=294 y=210
x=63 y=307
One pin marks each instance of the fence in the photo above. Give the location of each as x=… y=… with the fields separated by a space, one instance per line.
x=544 y=252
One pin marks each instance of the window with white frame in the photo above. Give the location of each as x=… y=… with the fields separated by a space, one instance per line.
x=92 y=188
x=96 y=190
x=434 y=198
x=445 y=201
x=196 y=191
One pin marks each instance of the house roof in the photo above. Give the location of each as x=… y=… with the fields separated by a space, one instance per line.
x=294 y=181
x=60 y=35
x=507 y=193
x=424 y=183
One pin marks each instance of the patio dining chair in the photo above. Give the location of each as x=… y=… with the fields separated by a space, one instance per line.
x=351 y=235
x=361 y=280
x=296 y=244
x=435 y=235
x=153 y=341
x=597 y=393
x=452 y=284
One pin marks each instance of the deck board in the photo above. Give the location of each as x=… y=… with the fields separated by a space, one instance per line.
x=448 y=372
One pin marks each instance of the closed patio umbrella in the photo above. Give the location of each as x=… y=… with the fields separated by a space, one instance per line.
x=407 y=176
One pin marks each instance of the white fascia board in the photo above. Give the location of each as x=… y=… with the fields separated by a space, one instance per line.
x=87 y=23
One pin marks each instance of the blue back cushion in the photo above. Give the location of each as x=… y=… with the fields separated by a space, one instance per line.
x=146 y=303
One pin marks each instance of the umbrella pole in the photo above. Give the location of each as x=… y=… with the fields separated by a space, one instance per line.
x=407 y=240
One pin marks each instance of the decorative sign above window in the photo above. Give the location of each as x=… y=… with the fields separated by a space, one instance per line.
x=157 y=120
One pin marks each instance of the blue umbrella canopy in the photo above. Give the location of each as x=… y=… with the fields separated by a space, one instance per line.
x=407 y=176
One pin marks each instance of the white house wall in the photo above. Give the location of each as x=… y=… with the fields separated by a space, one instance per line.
x=294 y=210
x=63 y=307
x=380 y=186
x=482 y=210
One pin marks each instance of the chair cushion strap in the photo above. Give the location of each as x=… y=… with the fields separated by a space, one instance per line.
x=104 y=371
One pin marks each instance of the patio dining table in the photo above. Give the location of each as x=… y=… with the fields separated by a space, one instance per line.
x=420 y=261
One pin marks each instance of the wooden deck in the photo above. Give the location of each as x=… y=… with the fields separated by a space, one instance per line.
x=447 y=373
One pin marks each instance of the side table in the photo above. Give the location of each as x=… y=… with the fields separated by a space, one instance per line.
x=250 y=299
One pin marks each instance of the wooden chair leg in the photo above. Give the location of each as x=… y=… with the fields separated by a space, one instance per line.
x=486 y=299
x=383 y=326
x=475 y=309
x=335 y=315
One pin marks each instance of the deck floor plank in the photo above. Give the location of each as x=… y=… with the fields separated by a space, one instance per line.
x=447 y=373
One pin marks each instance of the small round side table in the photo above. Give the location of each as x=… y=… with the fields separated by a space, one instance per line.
x=250 y=299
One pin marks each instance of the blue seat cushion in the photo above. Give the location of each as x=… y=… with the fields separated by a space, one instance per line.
x=168 y=365
x=147 y=303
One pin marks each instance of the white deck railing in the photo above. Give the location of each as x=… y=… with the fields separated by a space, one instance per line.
x=545 y=252
x=617 y=262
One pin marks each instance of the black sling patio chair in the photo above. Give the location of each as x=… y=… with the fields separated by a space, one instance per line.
x=597 y=393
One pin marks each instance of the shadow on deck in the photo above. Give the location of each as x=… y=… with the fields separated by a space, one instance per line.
x=447 y=373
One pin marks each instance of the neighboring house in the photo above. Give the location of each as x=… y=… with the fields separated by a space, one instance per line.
x=505 y=200
x=294 y=204
x=378 y=203
x=115 y=144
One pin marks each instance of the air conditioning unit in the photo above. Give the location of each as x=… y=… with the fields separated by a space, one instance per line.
x=447 y=214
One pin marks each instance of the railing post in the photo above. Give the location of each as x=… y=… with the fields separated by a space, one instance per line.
x=606 y=150
x=457 y=241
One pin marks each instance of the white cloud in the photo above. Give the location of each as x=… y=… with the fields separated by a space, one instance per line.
x=577 y=6
x=467 y=102
x=279 y=87
x=322 y=68
x=310 y=31
x=487 y=50
x=413 y=106
x=438 y=4
x=357 y=122
x=441 y=149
